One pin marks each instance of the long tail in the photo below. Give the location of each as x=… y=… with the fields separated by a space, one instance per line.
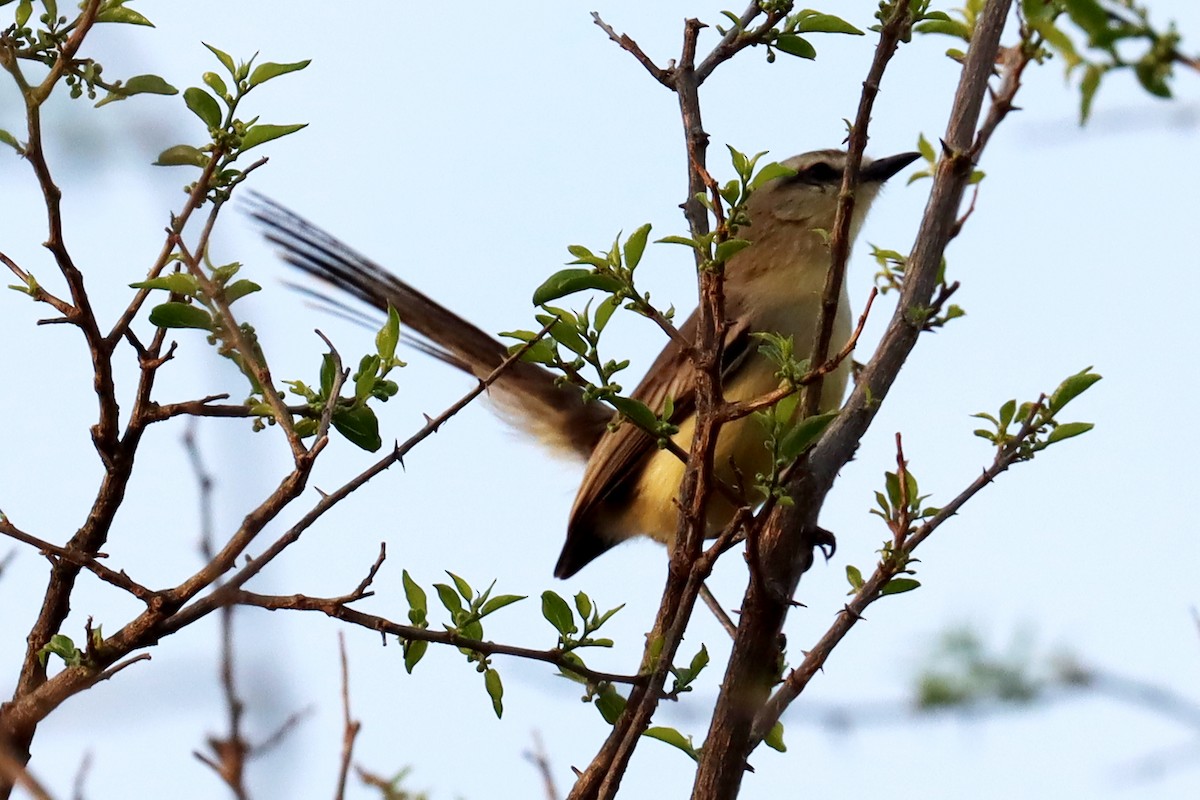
x=526 y=394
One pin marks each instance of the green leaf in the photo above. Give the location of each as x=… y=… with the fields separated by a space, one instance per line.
x=495 y=690
x=213 y=81
x=417 y=600
x=770 y=172
x=360 y=426
x=568 y=336
x=268 y=70
x=462 y=586
x=558 y=613
x=328 y=373
x=261 y=134
x=636 y=411
x=635 y=245
x=1071 y=388
x=1088 y=15
x=364 y=377
x=1006 y=414
x=138 y=84
x=10 y=140
x=61 y=646
x=795 y=46
x=239 y=289
x=583 y=604
x=1087 y=90
x=569 y=281
x=224 y=58
x=24 y=10
x=826 y=23
x=450 y=600
x=677 y=240
x=388 y=336
x=1068 y=430
x=120 y=14
x=673 y=738
x=949 y=27
x=203 y=106
x=927 y=152
x=610 y=704
x=730 y=247
x=604 y=312
x=804 y=435
x=899 y=586
x=853 y=574
x=177 y=283
x=414 y=651
x=182 y=155
x=499 y=602
x=181 y=315
x=774 y=738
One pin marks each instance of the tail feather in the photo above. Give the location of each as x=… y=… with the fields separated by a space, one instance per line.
x=527 y=394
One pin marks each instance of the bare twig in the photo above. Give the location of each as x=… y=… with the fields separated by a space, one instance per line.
x=350 y=726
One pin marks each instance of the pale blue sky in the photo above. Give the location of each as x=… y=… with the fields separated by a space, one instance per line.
x=467 y=152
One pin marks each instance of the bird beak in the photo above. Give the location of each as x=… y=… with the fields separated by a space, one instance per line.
x=880 y=170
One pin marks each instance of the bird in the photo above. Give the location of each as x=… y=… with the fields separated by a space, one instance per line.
x=630 y=485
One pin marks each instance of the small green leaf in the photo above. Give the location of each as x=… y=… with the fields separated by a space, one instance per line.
x=61 y=646
x=853 y=574
x=1071 y=388
x=203 y=106
x=268 y=70
x=138 y=84
x=182 y=155
x=120 y=14
x=495 y=690
x=826 y=23
x=213 y=81
x=24 y=10
x=450 y=600
x=610 y=704
x=414 y=651
x=730 y=247
x=583 y=604
x=181 y=315
x=558 y=613
x=774 y=738
x=604 y=312
x=462 y=586
x=899 y=586
x=177 y=283
x=1068 y=430
x=677 y=240
x=10 y=140
x=673 y=738
x=499 y=602
x=795 y=46
x=569 y=281
x=261 y=134
x=636 y=411
x=239 y=289
x=949 y=27
x=927 y=152
x=360 y=426
x=804 y=435
x=388 y=336
x=417 y=600
x=635 y=245
x=223 y=57
x=770 y=172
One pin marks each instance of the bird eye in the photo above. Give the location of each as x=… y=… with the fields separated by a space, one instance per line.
x=821 y=172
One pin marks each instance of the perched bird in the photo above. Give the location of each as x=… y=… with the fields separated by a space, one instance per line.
x=630 y=485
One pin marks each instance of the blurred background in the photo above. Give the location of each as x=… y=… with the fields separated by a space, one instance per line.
x=465 y=150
